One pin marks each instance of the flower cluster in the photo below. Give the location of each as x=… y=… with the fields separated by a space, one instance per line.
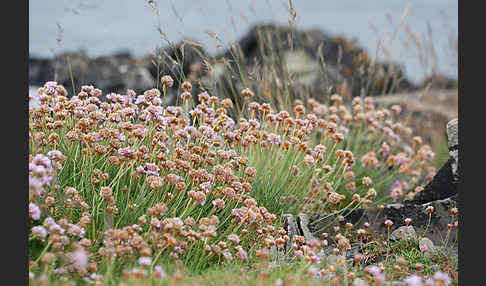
x=123 y=179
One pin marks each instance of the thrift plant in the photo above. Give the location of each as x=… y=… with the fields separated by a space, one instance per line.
x=125 y=189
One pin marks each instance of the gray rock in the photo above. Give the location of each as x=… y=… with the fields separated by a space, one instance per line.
x=403 y=232
x=453 y=142
x=452 y=133
x=428 y=245
x=138 y=78
x=290 y=226
x=303 y=225
x=437 y=229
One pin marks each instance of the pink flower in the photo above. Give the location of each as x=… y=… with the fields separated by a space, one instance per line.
x=413 y=280
x=34 y=211
x=159 y=272
x=443 y=277
x=241 y=253
x=125 y=152
x=227 y=255
x=39 y=231
x=80 y=259
x=145 y=261
x=373 y=270
x=429 y=282
x=377 y=273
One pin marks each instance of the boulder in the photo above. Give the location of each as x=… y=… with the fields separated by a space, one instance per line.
x=310 y=62
x=427 y=246
x=397 y=213
x=444 y=183
x=290 y=225
x=403 y=232
x=121 y=71
x=453 y=144
x=303 y=223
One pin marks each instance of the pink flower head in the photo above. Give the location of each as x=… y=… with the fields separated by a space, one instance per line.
x=429 y=282
x=50 y=84
x=75 y=230
x=373 y=270
x=241 y=254
x=152 y=169
x=413 y=280
x=159 y=272
x=141 y=170
x=34 y=211
x=55 y=155
x=274 y=139
x=125 y=152
x=227 y=255
x=145 y=261
x=39 y=231
x=80 y=259
x=442 y=277
x=377 y=273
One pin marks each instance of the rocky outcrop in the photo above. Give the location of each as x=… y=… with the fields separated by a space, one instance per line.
x=118 y=72
x=436 y=229
x=310 y=60
x=444 y=183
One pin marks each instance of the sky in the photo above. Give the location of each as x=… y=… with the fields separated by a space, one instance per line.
x=101 y=27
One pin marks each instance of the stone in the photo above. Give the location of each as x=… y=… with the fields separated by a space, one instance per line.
x=442 y=186
x=403 y=232
x=453 y=143
x=316 y=62
x=397 y=213
x=453 y=133
x=120 y=71
x=290 y=225
x=303 y=225
x=427 y=246
x=444 y=183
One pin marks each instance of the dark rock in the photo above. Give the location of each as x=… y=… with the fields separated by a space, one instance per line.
x=334 y=62
x=311 y=62
x=444 y=183
x=121 y=71
x=397 y=213
x=113 y=73
x=442 y=186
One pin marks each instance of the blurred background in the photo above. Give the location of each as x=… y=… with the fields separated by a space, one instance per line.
x=120 y=44
x=102 y=27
